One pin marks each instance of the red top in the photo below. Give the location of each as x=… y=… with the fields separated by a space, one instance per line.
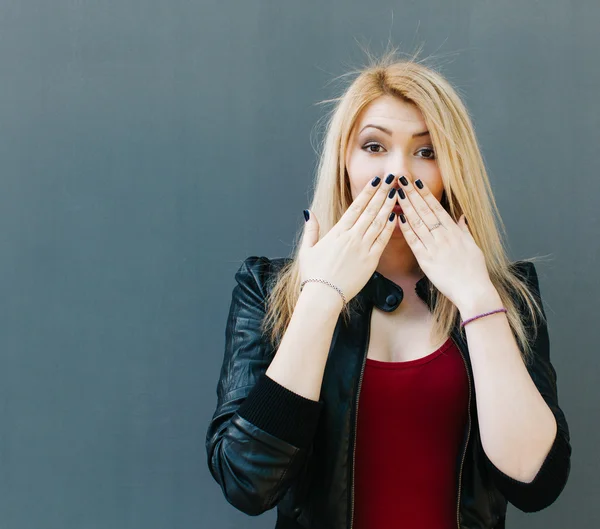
x=411 y=420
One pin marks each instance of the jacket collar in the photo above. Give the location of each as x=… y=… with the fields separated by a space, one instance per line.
x=387 y=295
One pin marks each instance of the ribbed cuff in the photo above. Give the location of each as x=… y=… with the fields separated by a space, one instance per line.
x=281 y=412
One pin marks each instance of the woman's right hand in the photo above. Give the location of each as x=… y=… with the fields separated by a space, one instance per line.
x=349 y=253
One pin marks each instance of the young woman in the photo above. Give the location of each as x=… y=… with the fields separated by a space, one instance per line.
x=395 y=371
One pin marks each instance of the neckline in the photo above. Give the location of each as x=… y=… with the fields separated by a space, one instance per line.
x=382 y=364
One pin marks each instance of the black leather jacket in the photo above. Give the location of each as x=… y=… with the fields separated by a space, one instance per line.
x=269 y=447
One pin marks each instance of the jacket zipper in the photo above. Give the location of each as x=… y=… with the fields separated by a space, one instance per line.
x=356 y=423
x=468 y=435
x=356 y=415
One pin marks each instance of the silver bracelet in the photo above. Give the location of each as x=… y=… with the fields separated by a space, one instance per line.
x=327 y=283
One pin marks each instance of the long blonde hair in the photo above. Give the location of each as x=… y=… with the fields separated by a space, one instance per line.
x=466 y=184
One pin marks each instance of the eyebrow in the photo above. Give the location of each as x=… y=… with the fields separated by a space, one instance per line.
x=387 y=131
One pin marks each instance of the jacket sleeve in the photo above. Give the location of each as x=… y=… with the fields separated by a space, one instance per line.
x=261 y=433
x=554 y=472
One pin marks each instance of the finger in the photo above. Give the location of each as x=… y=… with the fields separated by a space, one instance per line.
x=434 y=204
x=418 y=213
x=413 y=240
x=375 y=206
x=384 y=236
x=311 y=230
x=355 y=209
x=382 y=219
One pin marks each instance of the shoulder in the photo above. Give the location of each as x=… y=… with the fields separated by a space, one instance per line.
x=526 y=270
x=522 y=266
x=260 y=270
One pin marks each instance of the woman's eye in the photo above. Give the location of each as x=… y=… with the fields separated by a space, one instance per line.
x=372 y=145
x=430 y=153
x=431 y=156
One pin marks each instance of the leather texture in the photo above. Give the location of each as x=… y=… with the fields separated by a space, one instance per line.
x=306 y=469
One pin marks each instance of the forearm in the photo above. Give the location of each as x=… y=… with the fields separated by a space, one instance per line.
x=268 y=409
x=516 y=425
x=299 y=362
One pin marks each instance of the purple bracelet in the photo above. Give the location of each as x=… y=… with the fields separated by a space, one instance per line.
x=481 y=316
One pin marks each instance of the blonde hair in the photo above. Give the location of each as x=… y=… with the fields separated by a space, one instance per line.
x=466 y=184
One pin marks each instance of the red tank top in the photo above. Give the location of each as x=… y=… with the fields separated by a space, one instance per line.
x=411 y=420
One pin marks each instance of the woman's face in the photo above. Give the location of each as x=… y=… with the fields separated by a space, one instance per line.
x=400 y=149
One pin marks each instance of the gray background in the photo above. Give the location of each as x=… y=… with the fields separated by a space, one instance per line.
x=148 y=147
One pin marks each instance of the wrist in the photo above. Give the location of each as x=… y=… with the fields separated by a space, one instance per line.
x=483 y=300
x=323 y=296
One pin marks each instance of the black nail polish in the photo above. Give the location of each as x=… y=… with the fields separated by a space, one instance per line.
x=392 y=192
x=404 y=180
x=389 y=178
x=401 y=192
x=392 y=216
x=306 y=215
x=375 y=181
x=402 y=218
x=419 y=184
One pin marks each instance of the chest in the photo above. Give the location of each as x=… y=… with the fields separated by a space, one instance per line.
x=401 y=336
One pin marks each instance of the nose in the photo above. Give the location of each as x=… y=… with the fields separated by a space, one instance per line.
x=398 y=163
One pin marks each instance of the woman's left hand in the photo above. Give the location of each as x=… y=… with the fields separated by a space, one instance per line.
x=445 y=249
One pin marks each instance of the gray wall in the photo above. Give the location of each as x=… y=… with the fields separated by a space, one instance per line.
x=148 y=147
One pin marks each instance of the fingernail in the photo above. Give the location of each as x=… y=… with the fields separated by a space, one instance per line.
x=401 y=192
x=389 y=178
x=402 y=218
x=375 y=181
x=404 y=180
x=306 y=215
x=419 y=184
x=392 y=192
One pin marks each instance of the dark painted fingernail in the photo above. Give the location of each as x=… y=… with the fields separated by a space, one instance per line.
x=392 y=216
x=401 y=192
x=419 y=184
x=375 y=181
x=389 y=178
x=306 y=215
x=402 y=218
x=404 y=180
x=392 y=192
